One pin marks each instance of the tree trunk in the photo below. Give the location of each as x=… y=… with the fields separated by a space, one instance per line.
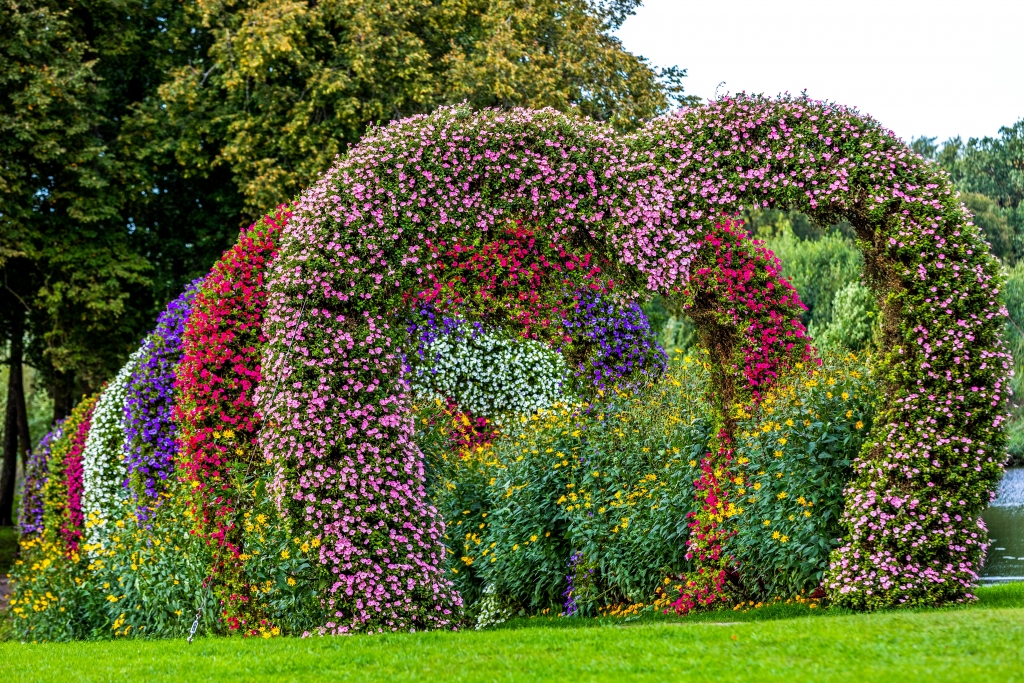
x=12 y=423
x=62 y=392
x=18 y=397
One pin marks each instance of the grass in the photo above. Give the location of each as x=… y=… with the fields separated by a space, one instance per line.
x=783 y=642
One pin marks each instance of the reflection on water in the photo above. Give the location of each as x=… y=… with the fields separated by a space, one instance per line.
x=1005 y=522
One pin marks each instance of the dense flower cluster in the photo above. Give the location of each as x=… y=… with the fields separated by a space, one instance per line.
x=519 y=279
x=491 y=374
x=150 y=445
x=104 y=476
x=622 y=348
x=63 y=521
x=30 y=512
x=214 y=409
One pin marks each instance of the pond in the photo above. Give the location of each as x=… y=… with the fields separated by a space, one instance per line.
x=1005 y=522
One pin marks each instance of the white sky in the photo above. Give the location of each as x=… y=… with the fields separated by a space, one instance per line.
x=941 y=67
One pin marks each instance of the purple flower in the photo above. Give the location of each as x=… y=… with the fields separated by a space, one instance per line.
x=623 y=347
x=150 y=445
x=30 y=517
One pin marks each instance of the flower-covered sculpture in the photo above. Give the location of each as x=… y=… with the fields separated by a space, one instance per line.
x=655 y=206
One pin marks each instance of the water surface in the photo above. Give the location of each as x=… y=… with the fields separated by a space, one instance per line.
x=1005 y=521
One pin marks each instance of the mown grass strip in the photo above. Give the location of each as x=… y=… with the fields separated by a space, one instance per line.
x=978 y=643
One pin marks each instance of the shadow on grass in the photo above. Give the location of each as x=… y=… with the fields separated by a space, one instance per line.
x=1005 y=596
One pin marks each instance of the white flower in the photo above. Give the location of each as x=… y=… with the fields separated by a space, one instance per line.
x=103 y=467
x=491 y=374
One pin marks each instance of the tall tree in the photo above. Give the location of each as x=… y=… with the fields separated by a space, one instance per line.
x=285 y=85
x=15 y=434
x=67 y=261
x=989 y=172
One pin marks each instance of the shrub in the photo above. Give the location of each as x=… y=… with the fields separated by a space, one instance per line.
x=519 y=509
x=794 y=458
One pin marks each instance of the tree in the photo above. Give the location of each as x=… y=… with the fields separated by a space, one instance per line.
x=67 y=270
x=286 y=85
x=990 y=174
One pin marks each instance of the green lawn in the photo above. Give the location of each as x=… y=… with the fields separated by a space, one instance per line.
x=787 y=643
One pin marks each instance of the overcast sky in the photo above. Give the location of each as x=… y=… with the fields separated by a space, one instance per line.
x=937 y=68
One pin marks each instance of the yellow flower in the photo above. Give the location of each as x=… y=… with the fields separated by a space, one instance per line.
x=533 y=538
x=859 y=424
x=775 y=535
x=784 y=539
x=782 y=495
x=767 y=522
x=284 y=554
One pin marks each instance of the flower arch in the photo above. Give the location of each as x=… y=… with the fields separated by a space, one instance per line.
x=656 y=205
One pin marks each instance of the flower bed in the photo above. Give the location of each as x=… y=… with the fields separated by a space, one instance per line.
x=487 y=266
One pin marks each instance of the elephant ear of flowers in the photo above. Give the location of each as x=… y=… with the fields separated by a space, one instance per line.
x=62 y=494
x=214 y=408
x=656 y=204
x=150 y=445
x=103 y=467
x=30 y=513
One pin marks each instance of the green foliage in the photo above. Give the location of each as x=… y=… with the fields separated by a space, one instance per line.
x=995 y=224
x=612 y=481
x=854 y=323
x=795 y=456
x=818 y=268
x=673 y=330
x=281 y=572
x=38 y=402
x=63 y=248
x=1013 y=291
x=149 y=574
x=8 y=547
x=989 y=172
x=280 y=88
x=47 y=602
